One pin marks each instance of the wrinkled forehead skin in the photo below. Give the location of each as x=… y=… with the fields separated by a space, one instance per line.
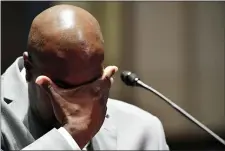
x=65 y=43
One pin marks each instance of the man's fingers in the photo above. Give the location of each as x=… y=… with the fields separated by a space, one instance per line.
x=109 y=72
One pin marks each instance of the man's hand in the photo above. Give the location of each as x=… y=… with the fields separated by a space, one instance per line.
x=81 y=110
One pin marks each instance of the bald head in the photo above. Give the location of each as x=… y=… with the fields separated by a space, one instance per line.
x=66 y=44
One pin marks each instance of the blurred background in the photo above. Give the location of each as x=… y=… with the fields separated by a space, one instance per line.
x=175 y=47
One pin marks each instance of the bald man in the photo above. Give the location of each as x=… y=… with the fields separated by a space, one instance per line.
x=55 y=97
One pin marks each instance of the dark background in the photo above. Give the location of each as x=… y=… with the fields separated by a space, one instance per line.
x=16 y=20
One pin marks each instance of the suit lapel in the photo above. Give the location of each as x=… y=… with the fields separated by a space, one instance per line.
x=15 y=89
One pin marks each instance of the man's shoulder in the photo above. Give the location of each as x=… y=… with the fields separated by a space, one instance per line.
x=126 y=111
x=133 y=123
x=17 y=65
x=127 y=108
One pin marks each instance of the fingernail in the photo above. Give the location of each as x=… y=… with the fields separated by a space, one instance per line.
x=116 y=69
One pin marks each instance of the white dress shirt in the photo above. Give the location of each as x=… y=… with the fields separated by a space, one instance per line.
x=61 y=130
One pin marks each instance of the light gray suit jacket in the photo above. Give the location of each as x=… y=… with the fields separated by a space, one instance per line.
x=126 y=128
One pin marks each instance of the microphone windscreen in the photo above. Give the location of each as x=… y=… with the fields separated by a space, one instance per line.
x=129 y=78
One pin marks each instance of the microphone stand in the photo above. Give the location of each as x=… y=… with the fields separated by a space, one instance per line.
x=179 y=109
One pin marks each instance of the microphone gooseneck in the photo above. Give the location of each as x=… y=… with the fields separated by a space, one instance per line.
x=132 y=79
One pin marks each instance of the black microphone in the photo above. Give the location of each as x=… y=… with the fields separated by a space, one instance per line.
x=132 y=79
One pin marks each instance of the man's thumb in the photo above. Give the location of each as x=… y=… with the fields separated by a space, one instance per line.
x=43 y=81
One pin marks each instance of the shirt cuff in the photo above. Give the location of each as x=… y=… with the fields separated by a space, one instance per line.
x=69 y=138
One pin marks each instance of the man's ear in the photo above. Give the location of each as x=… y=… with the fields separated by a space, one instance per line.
x=28 y=66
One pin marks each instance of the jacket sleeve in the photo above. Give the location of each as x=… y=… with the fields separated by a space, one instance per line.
x=14 y=135
x=53 y=140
